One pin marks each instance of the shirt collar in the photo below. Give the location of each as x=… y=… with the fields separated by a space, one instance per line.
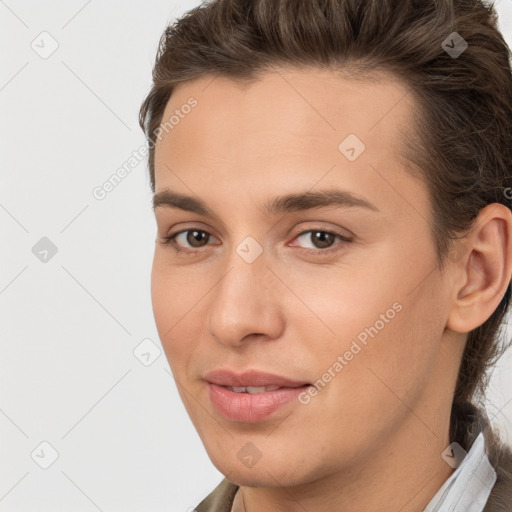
x=468 y=487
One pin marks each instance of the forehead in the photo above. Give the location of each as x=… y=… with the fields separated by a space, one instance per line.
x=289 y=126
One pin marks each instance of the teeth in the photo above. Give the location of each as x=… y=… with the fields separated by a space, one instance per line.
x=252 y=389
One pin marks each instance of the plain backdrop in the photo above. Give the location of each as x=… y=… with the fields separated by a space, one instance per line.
x=90 y=418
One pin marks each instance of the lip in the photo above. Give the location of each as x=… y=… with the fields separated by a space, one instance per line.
x=226 y=377
x=247 y=407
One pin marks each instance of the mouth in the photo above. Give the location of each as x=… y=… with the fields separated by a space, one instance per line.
x=253 y=390
x=252 y=396
x=252 y=404
x=251 y=381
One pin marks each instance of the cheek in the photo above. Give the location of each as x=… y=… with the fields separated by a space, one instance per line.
x=382 y=341
x=386 y=364
x=162 y=299
x=343 y=306
x=173 y=304
x=173 y=294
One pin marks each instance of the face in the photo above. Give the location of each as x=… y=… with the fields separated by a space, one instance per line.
x=339 y=295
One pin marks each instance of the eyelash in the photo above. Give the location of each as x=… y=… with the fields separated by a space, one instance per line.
x=171 y=241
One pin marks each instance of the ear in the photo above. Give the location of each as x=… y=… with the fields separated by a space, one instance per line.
x=482 y=269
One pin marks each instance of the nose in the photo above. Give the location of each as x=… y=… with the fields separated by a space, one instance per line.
x=245 y=305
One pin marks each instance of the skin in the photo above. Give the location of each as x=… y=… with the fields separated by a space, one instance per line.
x=372 y=438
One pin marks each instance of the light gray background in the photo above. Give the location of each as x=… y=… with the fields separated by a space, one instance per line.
x=70 y=325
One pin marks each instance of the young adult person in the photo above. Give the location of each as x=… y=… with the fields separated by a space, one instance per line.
x=332 y=188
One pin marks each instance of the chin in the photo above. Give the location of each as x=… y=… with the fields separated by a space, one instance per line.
x=263 y=477
x=266 y=472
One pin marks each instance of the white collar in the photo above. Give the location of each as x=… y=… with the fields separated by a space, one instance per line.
x=468 y=487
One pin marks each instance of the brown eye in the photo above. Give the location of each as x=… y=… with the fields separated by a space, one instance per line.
x=188 y=240
x=322 y=241
x=195 y=237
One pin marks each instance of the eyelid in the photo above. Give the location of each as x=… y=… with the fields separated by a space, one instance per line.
x=170 y=240
x=329 y=250
x=341 y=232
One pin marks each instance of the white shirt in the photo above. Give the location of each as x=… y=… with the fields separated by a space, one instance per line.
x=468 y=487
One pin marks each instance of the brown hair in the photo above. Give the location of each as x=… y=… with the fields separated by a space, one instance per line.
x=461 y=141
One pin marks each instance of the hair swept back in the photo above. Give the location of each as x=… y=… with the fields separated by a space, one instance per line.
x=462 y=138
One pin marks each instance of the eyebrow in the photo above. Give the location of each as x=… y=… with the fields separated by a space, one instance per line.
x=281 y=204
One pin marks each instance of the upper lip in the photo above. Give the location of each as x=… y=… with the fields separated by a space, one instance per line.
x=250 y=378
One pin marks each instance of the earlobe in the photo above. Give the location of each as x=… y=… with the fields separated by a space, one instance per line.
x=485 y=269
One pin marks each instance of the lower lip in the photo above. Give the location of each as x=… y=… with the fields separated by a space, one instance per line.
x=251 y=408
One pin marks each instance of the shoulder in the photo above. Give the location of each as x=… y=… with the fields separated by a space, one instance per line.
x=468 y=420
x=500 y=499
x=220 y=499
